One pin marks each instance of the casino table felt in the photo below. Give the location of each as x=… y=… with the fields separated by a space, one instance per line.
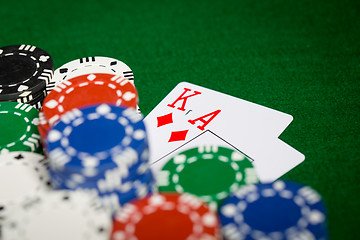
x=299 y=57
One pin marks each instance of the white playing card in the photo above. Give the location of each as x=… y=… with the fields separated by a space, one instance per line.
x=189 y=110
x=272 y=157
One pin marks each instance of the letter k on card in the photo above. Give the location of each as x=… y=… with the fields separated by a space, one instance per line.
x=189 y=110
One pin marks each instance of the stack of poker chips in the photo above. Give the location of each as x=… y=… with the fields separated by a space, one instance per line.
x=102 y=147
x=49 y=188
x=25 y=74
x=97 y=155
x=108 y=156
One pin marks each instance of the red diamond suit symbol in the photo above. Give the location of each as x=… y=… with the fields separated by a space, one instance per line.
x=178 y=136
x=164 y=120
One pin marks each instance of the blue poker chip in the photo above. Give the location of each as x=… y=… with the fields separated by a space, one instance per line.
x=96 y=138
x=281 y=210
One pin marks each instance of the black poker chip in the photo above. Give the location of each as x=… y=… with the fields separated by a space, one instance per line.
x=24 y=70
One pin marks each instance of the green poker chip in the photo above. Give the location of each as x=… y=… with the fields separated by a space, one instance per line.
x=209 y=172
x=18 y=124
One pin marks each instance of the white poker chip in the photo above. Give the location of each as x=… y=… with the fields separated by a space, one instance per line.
x=58 y=215
x=89 y=65
x=23 y=175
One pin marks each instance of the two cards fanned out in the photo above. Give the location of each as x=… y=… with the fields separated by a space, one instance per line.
x=191 y=116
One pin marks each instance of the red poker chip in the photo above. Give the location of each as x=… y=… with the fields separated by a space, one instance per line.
x=89 y=89
x=166 y=216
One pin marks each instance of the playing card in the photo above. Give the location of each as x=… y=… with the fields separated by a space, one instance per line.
x=189 y=110
x=272 y=157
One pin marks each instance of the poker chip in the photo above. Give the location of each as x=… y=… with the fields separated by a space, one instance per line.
x=19 y=122
x=209 y=172
x=87 y=90
x=23 y=175
x=281 y=210
x=58 y=215
x=102 y=147
x=89 y=137
x=90 y=65
x=24 y=71
x=166 y=216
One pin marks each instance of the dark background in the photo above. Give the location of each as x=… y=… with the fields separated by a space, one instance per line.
x=300 y=57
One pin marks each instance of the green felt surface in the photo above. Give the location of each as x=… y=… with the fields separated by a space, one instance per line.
x=300 y=57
